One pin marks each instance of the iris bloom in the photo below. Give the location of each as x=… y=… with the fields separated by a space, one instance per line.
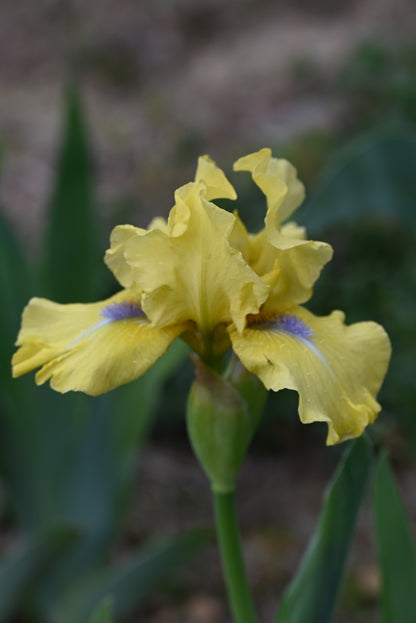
x=201 y=276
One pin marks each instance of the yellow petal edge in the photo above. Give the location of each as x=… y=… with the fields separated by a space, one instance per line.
x=80 y=350
x=337 y=371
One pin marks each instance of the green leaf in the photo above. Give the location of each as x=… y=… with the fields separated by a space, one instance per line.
x=71 y=236
x=16 y=396
x=311 y=596
x=87 y=485
x=95 y=453
x=15 y=287
x=103 y=613
x=396 y=547
x=138 y=400
x=22 y=569
x=129 y=582
x=134 y=406
x=371 y=176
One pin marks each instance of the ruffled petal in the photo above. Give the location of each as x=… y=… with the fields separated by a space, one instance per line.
x=159 y=223
x=91 y=348
x=299 y=268
x=189 y=271
x=240 y=239
x=216 y=184
x=114 y=257
x=294 y=231
x=289 y=272
x=282 y=256
x=337 y=370
x=277 y=178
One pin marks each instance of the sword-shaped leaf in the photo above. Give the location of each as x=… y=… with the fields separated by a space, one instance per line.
x=396 y=547
x=311 y=597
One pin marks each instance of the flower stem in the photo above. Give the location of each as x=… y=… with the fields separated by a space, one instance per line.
x=241 y=602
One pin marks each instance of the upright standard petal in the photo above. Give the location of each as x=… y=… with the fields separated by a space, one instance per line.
x=278 y=180
x=289 y=272
x=299 y=268
x=337 y=370
x=216 y=184
x=287 y=261
x=91 y=348
x=114 y=257
x=189 y=271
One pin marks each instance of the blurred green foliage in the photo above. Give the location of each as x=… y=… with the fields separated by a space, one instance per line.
x=71 y=222
x=312 y=595
x=396 y=549
x=379 y=81
x=103 y=613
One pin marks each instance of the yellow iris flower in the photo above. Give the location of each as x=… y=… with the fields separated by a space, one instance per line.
x=201 y=276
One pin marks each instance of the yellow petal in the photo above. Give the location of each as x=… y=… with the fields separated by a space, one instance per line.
x=293 y=230
x=114 y=257
x=91 y=348
x=240 y=239
x=337 y=370
x=299 y=268
x=159 y=223
x=287 y=262
x=277 y=178
x=289 y=272
x=216 y=184
x=190 y=271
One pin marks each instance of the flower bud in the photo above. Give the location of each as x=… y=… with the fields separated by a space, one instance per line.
x=249 y=387
x=219 y=427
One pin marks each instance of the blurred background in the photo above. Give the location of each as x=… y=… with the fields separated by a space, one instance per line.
x=104 y=109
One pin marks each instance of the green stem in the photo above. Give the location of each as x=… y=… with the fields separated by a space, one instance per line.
x=232 y=560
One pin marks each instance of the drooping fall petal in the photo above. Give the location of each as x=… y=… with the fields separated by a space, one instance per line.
x=337 y=370
x=216 y=184
x=278 y=180
x=91 y=348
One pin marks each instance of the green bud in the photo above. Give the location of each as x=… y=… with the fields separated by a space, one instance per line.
x=219 y=427
x=249 y=387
